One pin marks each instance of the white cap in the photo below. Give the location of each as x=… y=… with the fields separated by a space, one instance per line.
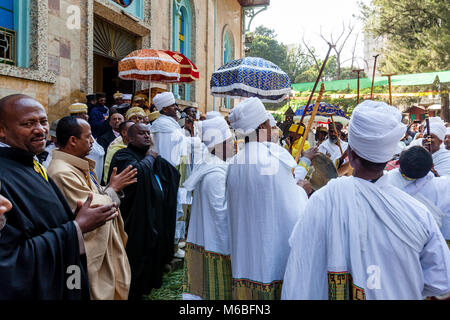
x=437 y=127
x=374 y=131
x=248 y=115
x=214 y=131
x=164 y=99
x=213 y=114
x=127 y=97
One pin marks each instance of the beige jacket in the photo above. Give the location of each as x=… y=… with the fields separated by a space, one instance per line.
x=108 y=268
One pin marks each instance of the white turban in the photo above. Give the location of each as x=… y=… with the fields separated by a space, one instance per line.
x=127 y=97
x=248 y=115
x=375 y=130
x=214 y=131
x=213 y=114
x=273 y=123
x=162 y=100
x=437 y=127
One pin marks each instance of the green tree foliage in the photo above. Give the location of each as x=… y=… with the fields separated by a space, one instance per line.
x=417 y=33
x=298 y=64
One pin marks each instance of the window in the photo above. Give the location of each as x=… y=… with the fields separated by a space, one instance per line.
x=134 y=7
x=14 y=32
x=182 y=40
x=7 y=33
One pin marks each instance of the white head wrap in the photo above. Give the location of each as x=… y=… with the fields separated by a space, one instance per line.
x=273 y=123
x=248 y=115
x=127 y=97
x=437 y=127
x=375 y=130
x=213 y=114
x=214 y=131
x=164 y=99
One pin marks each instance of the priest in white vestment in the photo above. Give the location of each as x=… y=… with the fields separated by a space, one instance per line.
x=416 y=179
x=359 y=236
x=173 y=145
x=330 y=146
x=207 y=259
x=441 y=156
x=264 y=204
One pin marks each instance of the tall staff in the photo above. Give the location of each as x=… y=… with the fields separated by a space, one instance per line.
x=358 y=71
x=312 y=93
x=390 y=86
x=373 y=77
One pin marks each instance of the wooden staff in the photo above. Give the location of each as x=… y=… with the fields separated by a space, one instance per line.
x=373 y=77
x=390 y=86
x=314 y=88
x=310 y=122
x=358 y=71
x=335 y=132
x=428 y=143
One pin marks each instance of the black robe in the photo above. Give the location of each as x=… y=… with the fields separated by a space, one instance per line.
x=150 y=218
x=106 y=139
x=39 y=241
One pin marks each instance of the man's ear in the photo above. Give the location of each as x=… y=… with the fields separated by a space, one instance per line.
x=72 y=141
x=2 y=131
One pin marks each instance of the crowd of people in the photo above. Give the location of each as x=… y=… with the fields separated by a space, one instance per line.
x=97 y=204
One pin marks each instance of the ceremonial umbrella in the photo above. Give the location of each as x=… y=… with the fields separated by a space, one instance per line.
x=157 y=66
x=149 y=65
x=325 y=109
x=188 y=70
x=251 y=77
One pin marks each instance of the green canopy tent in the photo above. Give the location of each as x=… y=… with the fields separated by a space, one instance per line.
x=397 y=80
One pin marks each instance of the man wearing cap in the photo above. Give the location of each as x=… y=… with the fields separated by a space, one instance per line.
x=172 y=144
x=295 y=140
x=414 y=177
x=135 y=114
x=207 y=256
x=117 y=99
x=125 y=105
x=330 y=147
x=98 y=115
x=97 y=153
x=361 y=238
x=441 y=156
x=264 y=203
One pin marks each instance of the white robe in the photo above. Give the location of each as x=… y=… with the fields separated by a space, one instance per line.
x=209 y=221
x=441 y=160
x=332 y=150
x=169 y=139
x=264 y=204
x=97 y=154
x=433 y=192
x=386 y=240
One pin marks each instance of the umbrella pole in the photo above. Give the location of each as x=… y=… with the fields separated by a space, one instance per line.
x=373 y=77
x=336 y=133
x=310 y=123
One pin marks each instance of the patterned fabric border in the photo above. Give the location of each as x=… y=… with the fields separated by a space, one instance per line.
x=341 y=287
x=246 y=289
x=207 y=274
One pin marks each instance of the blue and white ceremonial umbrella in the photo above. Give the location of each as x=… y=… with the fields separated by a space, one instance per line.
x=323 y=114
x=251 y=77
